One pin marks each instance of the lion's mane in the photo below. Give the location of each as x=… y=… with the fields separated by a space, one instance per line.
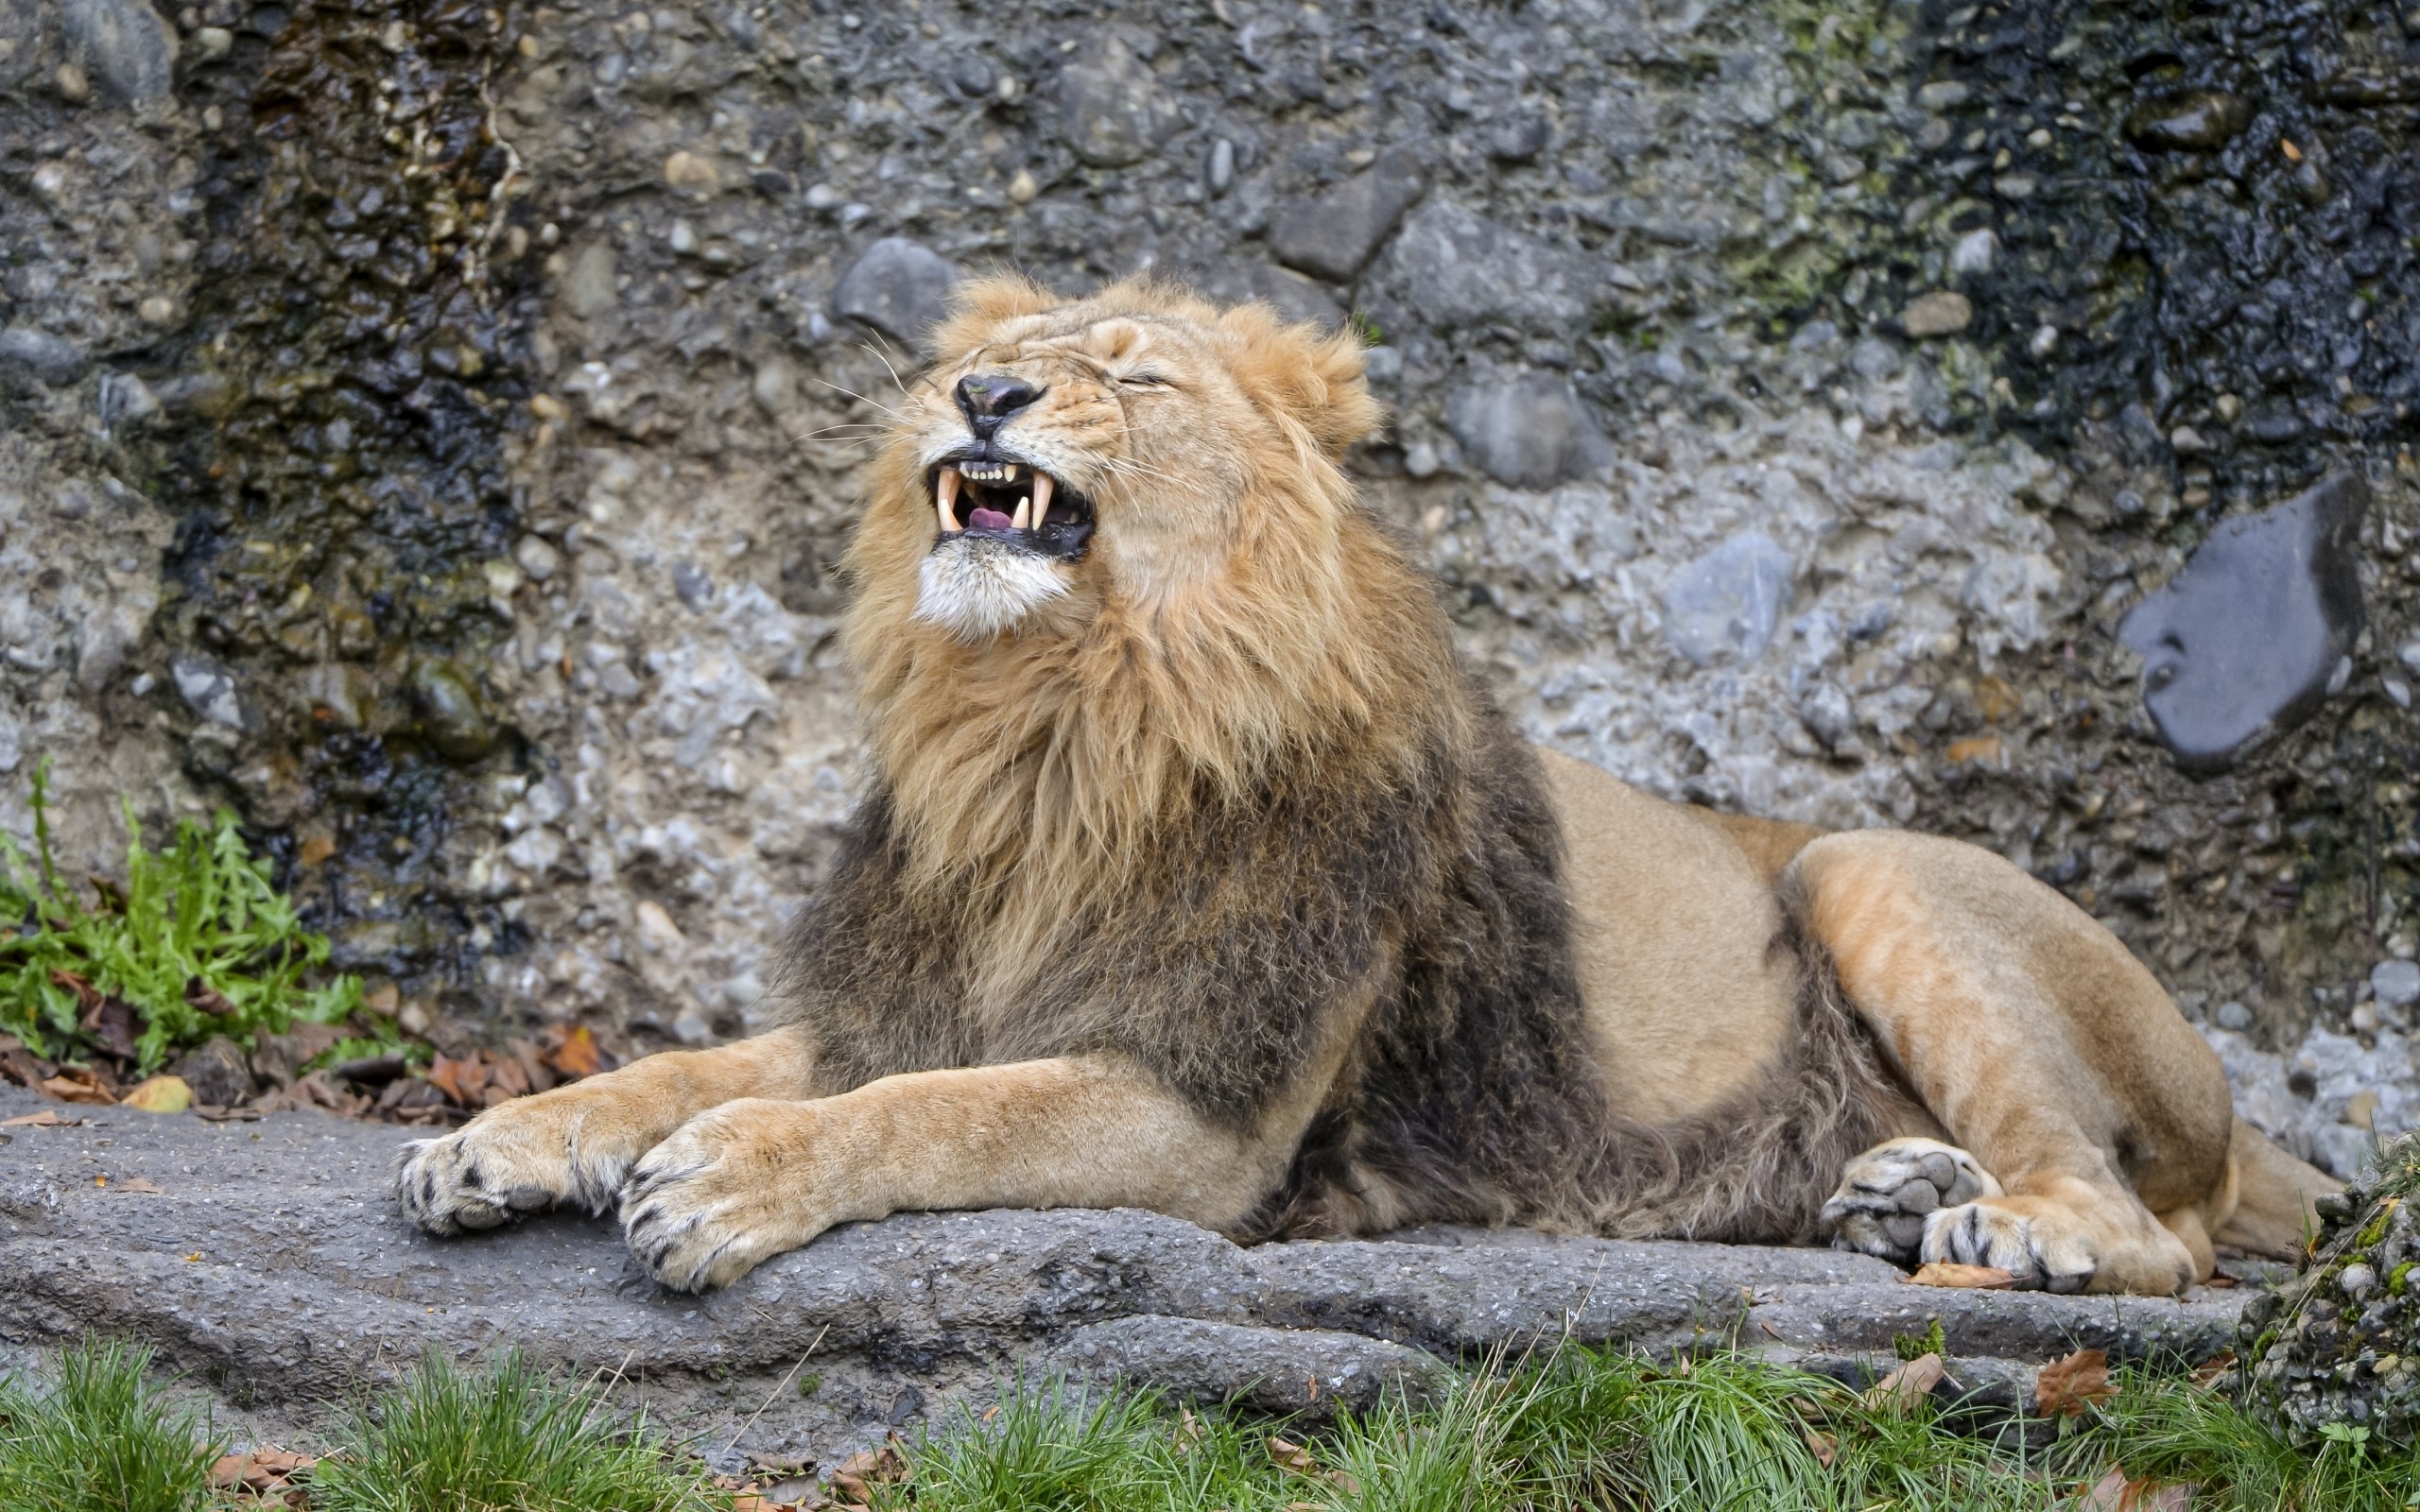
x=1192 y=837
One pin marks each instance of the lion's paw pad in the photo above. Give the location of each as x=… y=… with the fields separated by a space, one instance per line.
x=1887 y=1195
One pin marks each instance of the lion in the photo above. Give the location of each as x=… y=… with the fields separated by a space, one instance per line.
x=1195 y=873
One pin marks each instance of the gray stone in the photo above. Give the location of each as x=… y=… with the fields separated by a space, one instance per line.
x=28 y=354
x=1457 y=270
x=692 y=586
x=1333 y=236
x=590 y=288
x=218 y=1073
x=1293 y=295
x=1725 y=604
x=1531 y=433
x=19 y=39
x=1113 y=111
x=1307 y=1371
x=899 y=287
x=2396 y=984
x=309 y=1287
x=2234 y=1015
x=129 y=46
x=1942 y=313
x=2241 y=647
x=209 y=690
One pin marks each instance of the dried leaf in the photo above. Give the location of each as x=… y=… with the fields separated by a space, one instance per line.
x=200 y=995
x=1293 y=1457
x=866 y=1468
x=2114 y=1492
x=160 y=1094
x=1972 y=1278
x=88 y=997
x=2207 y=1375
x=77 y=1084
x=576 y=1055
x=43 y=1118
x=1824 y=1449
x=459 y=1080
x=141 y=1185
x=2065 y=1388
x=258 y=1470
x=506 y=1073
x=1907 y=1385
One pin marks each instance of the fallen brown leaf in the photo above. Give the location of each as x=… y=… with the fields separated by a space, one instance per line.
x=160 y=1094
x=88 y=997
x=141 y=1185
x=200 y=995
x=77 y=1084
x=43 y=1118
x=1972 y=1278
x=2207 y=1375
x=577 y=1054
x=1824 y=1449
x=868 y=1467
x=460 y=1080
x=1907 y=1385
x=2066 y=1387
x=258 y=1470
x=1290 y=1455
x=2114 y=1492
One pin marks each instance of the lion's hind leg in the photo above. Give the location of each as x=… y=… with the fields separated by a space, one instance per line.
x=2044 y=1053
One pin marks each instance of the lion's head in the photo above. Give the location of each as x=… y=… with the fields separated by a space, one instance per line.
x=1062 y=457
x=1111 y=552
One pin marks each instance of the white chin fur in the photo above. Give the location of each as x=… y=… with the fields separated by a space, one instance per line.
x=978 y=589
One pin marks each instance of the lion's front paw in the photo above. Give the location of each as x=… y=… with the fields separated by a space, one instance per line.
x=731 y=1189
x=2043 y=1246
x=513 y=1158
x=1888 y=1194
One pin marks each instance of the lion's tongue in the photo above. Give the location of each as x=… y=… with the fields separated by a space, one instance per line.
x=988 y=520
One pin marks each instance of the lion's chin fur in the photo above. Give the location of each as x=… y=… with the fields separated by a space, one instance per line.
x=977 y=589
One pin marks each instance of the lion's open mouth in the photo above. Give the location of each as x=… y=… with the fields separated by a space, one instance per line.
x=1013 y=502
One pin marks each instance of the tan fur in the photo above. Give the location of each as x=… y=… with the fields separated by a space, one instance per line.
x=1212 y=885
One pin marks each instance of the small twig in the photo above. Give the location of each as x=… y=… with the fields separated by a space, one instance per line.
x=608 y=1386
x=777 y=1390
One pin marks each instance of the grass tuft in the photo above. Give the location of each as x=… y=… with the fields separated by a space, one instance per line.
x=195 y=942
x=100 y=1440
x=506 y=1438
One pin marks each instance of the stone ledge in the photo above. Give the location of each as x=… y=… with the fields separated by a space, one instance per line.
x=274 y=1269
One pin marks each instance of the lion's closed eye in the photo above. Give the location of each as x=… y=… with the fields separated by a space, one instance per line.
x=1146 y=379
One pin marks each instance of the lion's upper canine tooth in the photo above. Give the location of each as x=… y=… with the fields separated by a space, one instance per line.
x=1043 y=484
x=946 y=498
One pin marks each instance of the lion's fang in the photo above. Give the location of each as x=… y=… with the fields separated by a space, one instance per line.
x=945 y=499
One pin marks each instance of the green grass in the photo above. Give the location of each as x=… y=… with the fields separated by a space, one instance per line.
x=503 y=1439
x=1579 y=1430
x=100 y=1440
x=195 y=927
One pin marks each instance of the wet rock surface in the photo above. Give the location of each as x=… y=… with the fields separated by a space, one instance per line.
x=2249 y=638
x=477 y=391
x=272 y=1268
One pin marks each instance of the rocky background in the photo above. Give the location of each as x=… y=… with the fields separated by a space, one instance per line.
x=430 y=428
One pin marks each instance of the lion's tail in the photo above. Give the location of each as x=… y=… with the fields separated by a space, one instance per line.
x=2272 y=1213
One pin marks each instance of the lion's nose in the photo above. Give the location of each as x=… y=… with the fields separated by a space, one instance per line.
x=989 y=398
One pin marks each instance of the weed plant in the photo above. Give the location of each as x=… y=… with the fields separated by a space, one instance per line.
x=197 y=941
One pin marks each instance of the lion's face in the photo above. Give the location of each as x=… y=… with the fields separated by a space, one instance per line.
x=1063 y=456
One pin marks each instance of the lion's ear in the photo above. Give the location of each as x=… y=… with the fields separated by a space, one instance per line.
x=978 y=305
x=1311 y=376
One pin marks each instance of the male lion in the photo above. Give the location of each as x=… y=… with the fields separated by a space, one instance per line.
x=1194 y=874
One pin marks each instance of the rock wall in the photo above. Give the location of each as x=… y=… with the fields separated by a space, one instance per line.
x=432 y=428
